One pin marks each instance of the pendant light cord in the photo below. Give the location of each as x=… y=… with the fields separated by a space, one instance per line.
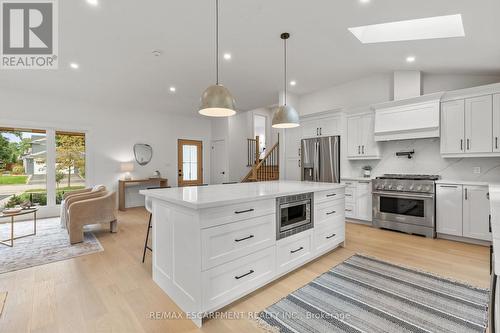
x=217 y=42
x=284 y=83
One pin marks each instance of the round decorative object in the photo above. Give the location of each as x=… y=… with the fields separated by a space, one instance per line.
x=143 y=153
x=217 y=101
x=285 y=116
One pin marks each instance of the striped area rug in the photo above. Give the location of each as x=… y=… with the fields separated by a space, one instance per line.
x=364 y=294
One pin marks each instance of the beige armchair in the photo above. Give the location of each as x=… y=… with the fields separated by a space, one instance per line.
x=77 y=193
x=89 y=208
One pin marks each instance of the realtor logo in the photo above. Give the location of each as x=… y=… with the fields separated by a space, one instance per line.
x=29 y=34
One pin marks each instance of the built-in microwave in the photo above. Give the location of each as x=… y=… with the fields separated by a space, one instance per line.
x=294 y=214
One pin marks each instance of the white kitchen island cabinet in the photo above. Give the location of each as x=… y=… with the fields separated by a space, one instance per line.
x=214 y=244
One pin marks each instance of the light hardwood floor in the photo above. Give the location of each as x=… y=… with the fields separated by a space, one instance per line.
x=112 y=291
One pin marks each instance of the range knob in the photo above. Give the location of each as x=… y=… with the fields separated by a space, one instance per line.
x=427 y=188
x=389 y=186
x=411 y=187
x=419 y=188
x=400 y=187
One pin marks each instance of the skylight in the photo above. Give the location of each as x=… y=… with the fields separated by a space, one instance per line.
x=425 y=28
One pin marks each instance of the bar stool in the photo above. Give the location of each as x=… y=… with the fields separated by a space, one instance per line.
x=149 y=208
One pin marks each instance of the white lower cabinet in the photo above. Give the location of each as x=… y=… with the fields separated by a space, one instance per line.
x=463 y=211
x=293 y=251
x=328 y=236
x=358 y=199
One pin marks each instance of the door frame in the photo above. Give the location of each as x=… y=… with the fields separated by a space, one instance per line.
x=180 y=143
x=212 y=161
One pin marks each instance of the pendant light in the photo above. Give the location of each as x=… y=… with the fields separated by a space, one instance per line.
x=216 y=100
x=285 y=116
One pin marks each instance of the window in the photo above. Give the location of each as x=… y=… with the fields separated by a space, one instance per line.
x=39 y=166
x=190 y=162
x=70 y=163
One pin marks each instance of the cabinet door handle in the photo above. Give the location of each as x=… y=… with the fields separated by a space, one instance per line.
x=496 y=142
x=299 y=249
x=242 y=276
x=468 y=144
x=242 y=239
x=488 y=195
x=244 y=211
x=363 y=149
x=461 y=144
x=331 y=195
x=330 y=213
x=466 y=197
x=449 y=186
x=321 y=131
x=332 y=235
x=299 y=152
x=299 y=164
x=359 y=150
x=489 y=222
x=348 y=195
x=348 y=210
x=317 y=131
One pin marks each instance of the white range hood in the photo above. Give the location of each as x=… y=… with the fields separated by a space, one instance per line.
x=411 y=117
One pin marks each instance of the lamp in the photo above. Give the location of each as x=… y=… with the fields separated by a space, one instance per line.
x=127 y=168
x=285 y=116
x=216 y=100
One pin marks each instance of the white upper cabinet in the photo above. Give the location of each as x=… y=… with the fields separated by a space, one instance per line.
x=360 y=140
x=470 y=122
x=452 y=127
x=476 y=213
x=478 y=129
x=496 y=123
x=326 y=126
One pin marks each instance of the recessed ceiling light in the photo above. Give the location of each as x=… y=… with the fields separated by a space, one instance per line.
x=426 y=28
x=93 y=2
x=227 y=56
x=172 y=89
x=364 y=1
x=410 y=59
x=74 y=65
x=293 y=83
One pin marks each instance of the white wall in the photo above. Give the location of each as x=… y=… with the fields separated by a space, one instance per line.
x=111 y=134
x=355 y=96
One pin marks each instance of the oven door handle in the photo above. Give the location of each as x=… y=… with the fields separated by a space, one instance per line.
x=296 y=203
x=396 y=194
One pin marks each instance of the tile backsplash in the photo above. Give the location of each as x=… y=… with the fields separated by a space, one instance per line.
x=427 y=160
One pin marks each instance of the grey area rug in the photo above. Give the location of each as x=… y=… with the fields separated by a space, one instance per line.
x=50 y=244
x=364 y=294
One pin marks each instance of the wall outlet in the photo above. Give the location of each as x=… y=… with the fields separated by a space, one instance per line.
x=476 y=170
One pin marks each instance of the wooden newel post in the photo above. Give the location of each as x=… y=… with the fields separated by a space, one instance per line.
x=257 y=150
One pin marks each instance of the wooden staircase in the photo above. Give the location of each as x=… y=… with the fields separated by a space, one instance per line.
x=265 y=169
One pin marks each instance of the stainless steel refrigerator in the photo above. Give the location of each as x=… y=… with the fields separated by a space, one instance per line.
x=321 y=159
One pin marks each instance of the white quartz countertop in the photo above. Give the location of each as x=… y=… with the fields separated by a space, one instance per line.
x=466 y=182
x=197 y=197
x=356 y=179
x=495 y=223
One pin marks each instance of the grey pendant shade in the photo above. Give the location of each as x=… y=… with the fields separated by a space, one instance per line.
x=285 y=116
x=216 y=100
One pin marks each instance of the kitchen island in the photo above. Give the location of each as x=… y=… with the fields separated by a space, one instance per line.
x=214 y=244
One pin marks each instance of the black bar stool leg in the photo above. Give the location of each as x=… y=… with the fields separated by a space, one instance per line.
x=146 y=247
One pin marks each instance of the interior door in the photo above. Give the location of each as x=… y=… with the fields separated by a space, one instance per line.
x=476 y=213
x=478 y=129
x=190 y=162
x=218 y=159
x=453 y=127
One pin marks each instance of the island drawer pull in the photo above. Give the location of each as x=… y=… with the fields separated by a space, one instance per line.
x=244 y=211
x=348 y=210
x=242 y=276
x=242 y=239
x=331 y=195
x=299 y=249
x=330 y=213
x=332 y=235
x=348 y=195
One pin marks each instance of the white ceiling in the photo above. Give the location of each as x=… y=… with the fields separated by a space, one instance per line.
x=113 y=45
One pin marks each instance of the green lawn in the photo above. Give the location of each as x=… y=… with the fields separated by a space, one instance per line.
x=13 y=180
x=60 y=189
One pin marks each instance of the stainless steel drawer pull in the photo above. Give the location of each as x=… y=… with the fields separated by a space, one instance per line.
x=348 y=195
x=449 y=186
x=331 y=236
x=331 y=195
x=330 y=213
x=348 y=210
x=244 y=211
x=299 y=249
x=242 y=276
x=242 y=239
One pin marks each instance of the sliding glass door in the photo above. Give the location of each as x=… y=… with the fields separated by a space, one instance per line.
x=38 y=166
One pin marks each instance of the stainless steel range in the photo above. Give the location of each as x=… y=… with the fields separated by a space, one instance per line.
x=405 y=203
